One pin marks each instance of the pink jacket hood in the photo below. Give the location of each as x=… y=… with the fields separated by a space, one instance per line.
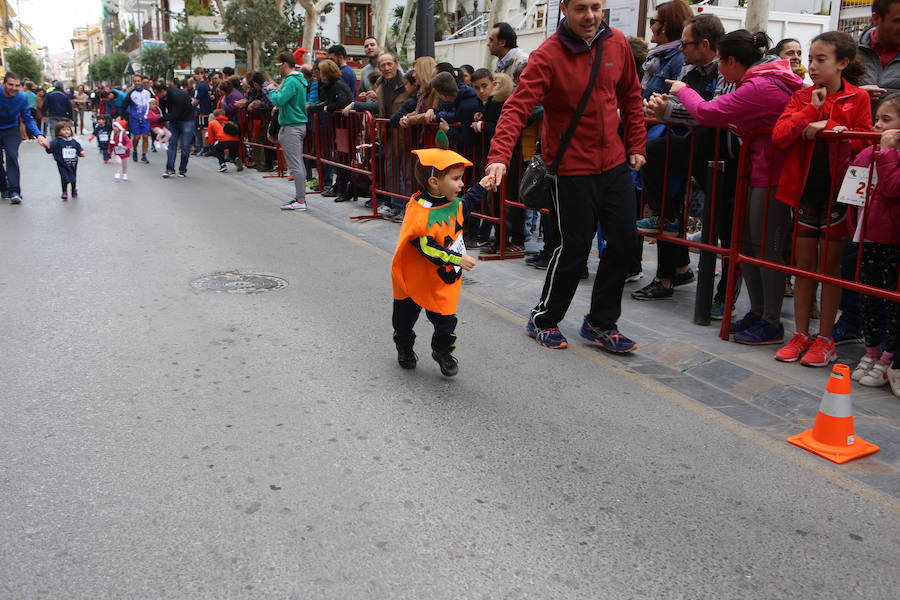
x=757 y=101
x=778 y=69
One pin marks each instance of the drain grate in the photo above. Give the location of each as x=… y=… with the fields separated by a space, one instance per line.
x=239 y=283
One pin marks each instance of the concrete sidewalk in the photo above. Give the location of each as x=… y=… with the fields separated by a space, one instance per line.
x=742 y=382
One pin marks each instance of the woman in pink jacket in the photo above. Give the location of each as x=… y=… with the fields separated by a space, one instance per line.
x=763 y=87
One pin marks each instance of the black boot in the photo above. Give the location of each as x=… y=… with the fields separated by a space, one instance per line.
x=406 y=357
x=347 y=193
x=448 y=364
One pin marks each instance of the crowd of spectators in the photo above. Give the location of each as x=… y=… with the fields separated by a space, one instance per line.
x=699 y=88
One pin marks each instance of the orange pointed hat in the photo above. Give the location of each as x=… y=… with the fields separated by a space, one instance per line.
x=441 y=158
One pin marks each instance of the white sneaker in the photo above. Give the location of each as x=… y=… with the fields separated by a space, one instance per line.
x=117 y=176
x=636 y=277
x=877 y=375
x=384 y=209
x=865 y=363
x=296 y=205
x=894 y=380
x=124 y=176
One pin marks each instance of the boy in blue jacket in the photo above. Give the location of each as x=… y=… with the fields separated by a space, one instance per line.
x=66 y=150
x=102 y=131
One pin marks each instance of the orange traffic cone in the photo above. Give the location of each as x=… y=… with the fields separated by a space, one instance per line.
x=832 y=434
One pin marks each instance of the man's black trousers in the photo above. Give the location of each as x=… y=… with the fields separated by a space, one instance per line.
x=580 y=202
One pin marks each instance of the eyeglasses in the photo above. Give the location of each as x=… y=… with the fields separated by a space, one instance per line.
x=683 y=43
x=655 y=21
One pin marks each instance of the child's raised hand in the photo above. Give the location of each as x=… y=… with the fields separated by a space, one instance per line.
x=466 y=262
x=818 y=97
x=889 y=139
x=487 y=182
x=444 y=126
x=813 y=129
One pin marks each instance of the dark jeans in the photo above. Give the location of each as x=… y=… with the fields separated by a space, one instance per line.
x=182 y=135
x=581 y=202
x=406 y=313
x=9 y=144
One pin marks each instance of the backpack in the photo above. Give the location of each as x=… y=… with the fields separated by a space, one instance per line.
x=231 y=128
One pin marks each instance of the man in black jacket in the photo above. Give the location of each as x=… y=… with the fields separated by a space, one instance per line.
x=178 y=112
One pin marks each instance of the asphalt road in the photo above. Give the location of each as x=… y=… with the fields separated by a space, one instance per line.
x=162 y=442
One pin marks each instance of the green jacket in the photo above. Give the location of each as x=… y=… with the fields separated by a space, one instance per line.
x=291 y=100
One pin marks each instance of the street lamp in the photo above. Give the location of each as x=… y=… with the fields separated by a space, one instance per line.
x=425 y=28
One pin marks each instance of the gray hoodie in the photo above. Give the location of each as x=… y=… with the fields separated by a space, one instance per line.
x=886 y=77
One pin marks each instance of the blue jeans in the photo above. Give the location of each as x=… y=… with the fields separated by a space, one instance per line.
x=9 y=144
x=182 y=135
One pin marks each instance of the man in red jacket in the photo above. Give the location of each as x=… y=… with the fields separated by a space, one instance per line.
x=594 y=183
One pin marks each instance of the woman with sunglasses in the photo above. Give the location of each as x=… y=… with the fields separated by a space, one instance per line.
x=665 y=60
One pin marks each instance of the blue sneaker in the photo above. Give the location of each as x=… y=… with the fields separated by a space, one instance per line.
x=672 y=228
x=530 y=328
x=610 y=340
x=717 y=312
x=841 y=334
x=760 y=334
x=648 y=225
x=748 y=321
x=551 y=338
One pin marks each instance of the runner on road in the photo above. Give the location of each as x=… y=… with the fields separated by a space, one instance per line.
x=14 y=106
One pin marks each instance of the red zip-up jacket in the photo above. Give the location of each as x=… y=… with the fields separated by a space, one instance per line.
x=556 y=76
x=850 y=107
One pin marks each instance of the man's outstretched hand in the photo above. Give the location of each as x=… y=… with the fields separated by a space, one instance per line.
x=495 y=171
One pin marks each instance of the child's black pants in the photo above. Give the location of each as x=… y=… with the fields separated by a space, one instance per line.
x=406 y=312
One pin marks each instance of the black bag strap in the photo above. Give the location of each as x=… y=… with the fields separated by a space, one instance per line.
x=582 y=104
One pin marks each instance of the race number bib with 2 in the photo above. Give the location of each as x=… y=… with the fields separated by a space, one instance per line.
x=69 y=153
x=856 y=186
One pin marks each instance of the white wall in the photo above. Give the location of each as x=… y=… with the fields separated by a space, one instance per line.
x=802 y=27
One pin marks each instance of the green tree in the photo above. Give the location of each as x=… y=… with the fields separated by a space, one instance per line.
x=246 y=22
x=156 y=62
x=115 y=71
x=24 y=64
x=186 y=42
x=97 y=69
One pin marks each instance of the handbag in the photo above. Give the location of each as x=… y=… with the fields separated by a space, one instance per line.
x=534 y=190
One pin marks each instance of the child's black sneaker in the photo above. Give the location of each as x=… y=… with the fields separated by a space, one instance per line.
x=448 y=364
x=406 y=357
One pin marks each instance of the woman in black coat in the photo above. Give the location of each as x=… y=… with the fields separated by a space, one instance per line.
x=334 y=96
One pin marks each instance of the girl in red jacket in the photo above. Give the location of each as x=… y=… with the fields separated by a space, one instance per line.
x=813 y=171
x=877 y=226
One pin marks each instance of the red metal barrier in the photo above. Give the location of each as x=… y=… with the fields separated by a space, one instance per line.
x=254 y=128
x=737 y=256
x=347 y=142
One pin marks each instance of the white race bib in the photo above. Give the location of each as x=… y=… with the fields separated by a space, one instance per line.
x=103 y=137
x=121 y=150
x=854 y=187
x=458 y=246
x=69 y=153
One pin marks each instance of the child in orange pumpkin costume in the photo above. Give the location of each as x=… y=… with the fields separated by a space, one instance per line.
x=427 y=268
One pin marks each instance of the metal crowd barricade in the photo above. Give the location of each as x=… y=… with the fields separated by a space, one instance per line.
x=714 y=162
x=738 y=257
x=348 y=143
x=509 y=192
x=254 y=129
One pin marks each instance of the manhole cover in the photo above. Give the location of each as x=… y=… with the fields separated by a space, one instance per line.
x=239 y=283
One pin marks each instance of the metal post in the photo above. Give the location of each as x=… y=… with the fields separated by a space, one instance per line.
x=424 y=28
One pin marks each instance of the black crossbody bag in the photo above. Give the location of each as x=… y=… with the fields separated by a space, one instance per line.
x=534 y=190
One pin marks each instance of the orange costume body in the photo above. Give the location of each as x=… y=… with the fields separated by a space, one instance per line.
x=426 y=262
